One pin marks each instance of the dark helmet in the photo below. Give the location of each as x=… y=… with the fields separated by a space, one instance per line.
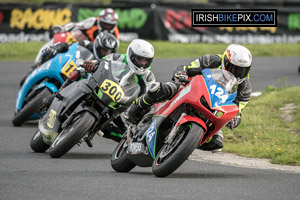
x=237 y=59
x=105 y=44
x=108 y=19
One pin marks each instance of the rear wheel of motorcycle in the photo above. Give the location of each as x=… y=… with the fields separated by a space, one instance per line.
x=171 y=156
x=37 y=144
x=31 y=107
x=119 y=159
x=72 y=134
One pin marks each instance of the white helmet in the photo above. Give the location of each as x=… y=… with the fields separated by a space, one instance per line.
x=237 y=59
x=108 y=19
x=139 y=55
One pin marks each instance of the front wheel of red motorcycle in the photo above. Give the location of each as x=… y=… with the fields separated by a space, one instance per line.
x=119 y=160
x=171 y=156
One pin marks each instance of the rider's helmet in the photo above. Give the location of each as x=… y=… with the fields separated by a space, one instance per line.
x=108 y=19
x=237 y=59
x=140 y=55
x=105 y=44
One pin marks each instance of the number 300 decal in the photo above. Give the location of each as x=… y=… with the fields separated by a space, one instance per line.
x=218 y=91
x=113 y=90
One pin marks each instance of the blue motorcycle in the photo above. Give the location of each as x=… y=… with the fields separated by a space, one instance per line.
x=45 y=80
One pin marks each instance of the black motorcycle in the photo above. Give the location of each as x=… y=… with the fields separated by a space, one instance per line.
x=83 y=108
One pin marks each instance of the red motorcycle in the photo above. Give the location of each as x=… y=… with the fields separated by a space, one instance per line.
x=167 y=137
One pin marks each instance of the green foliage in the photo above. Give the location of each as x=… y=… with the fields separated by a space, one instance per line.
x=265 y=131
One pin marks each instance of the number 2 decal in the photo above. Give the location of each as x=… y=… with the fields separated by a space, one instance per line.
x=113 y=90
x=218 y=91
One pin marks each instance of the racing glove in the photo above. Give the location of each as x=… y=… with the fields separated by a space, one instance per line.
x=74 y=75
x=48 y=53
x=179 y=76
x=90 y=65
x=235 y=122
x=54 y=30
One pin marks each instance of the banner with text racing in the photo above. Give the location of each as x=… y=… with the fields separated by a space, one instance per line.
x=25 y=22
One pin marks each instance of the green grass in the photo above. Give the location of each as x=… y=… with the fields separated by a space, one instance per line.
x=163 y=49
x=263 y=133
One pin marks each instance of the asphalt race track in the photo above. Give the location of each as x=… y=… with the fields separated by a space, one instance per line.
x=85 y=173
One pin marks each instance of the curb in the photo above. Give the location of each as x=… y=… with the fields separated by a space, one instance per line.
x=238 y=161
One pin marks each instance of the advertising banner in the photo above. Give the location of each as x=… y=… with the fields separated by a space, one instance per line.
x=26 y=22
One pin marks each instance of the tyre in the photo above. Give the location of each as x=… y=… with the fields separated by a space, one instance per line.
x=171 y=156
x=119 y=159
x=31 y=107
x=71 y=135
x=37 y=144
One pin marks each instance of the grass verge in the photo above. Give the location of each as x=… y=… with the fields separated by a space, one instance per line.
x=163 y=49
x=270 y=128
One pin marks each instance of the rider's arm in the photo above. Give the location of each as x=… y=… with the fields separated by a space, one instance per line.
x=87 y=44
x=243 y=94
x=61 y=47
x=196 y=67
x=50 y=52
x=116 y=57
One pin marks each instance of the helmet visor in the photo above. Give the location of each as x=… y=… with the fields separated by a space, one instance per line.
x=140 y=61
x=106 y=26
x=237 y=71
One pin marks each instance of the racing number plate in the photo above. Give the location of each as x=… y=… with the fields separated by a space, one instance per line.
x=70 y=39
x=68 y=68
x=112 y=89
x=51 y=118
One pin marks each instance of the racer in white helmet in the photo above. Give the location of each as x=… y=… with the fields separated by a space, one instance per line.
x=140 y=54
x=138 y=59
x=238 y=60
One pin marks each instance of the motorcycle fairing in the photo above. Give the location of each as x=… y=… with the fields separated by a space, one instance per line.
x=152 y=134
x=151 y=138
x=115 y=89
x=51 y=122
x=193 y=98
x=217 y=95
x=49 y=85
x=47 y=70
x=188 y=118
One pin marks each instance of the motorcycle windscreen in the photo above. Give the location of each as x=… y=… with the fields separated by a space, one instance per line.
x=218 y=86
x=117 y=84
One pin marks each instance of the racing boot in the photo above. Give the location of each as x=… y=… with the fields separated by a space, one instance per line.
x=214 y=144
x=112 y=132
x=135 y=113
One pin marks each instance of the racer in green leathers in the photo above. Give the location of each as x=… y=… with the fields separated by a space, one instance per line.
x=137 y=60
